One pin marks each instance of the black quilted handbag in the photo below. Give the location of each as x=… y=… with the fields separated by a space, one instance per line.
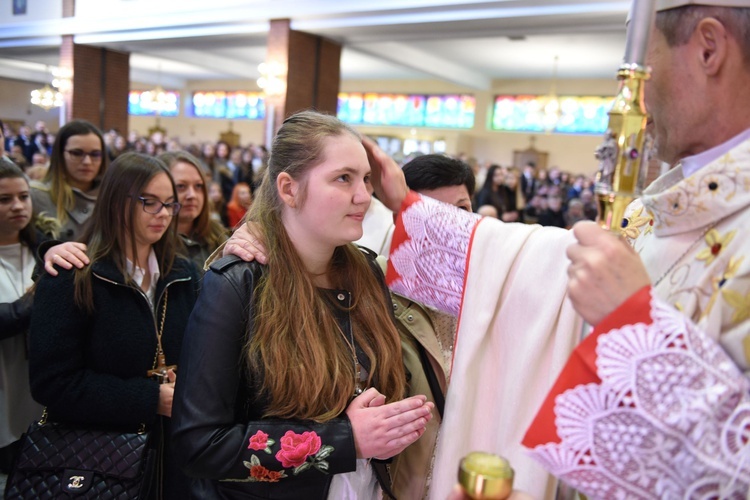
x=60 y=461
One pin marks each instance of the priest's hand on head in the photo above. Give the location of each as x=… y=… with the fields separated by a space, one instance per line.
x=388 y=179
x=604 y=271
x=383 y=430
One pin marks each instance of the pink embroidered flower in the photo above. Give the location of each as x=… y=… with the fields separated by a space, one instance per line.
x=259 y=441
x=295 y=448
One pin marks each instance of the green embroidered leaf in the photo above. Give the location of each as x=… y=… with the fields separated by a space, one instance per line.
x=270 y=442
x=322 y=466
x=254 y=460
x=301 y=468
x=324 y=452
x=247 y=464
x=268 y=450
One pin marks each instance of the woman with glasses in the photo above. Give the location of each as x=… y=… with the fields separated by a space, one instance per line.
x=104 y=338
x=70 y=188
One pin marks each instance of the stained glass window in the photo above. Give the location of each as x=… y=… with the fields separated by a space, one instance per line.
x=407 y=110
x=570 y=115
x=210 y=104
x=245 y=105
x=150 y=103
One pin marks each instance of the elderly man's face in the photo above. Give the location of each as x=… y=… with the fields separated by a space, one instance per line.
x=674 y=98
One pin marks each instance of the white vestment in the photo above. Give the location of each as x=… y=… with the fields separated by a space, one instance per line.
x=516 y=327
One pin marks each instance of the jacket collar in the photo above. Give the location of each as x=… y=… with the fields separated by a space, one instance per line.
x=106 y=269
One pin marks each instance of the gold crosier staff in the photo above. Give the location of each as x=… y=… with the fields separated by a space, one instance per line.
x=624 y=154
x=623 y=157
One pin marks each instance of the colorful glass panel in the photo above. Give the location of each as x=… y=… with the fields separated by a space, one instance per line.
x=569 y=115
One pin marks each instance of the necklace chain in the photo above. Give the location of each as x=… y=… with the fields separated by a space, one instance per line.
x=352 y=346
x=160 y=367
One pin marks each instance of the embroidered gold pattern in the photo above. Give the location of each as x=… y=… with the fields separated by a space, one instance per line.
x=714 y=245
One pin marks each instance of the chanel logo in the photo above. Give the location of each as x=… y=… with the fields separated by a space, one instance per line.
x=76 y=482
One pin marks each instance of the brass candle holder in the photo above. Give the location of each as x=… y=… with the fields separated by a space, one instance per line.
x=485 y=476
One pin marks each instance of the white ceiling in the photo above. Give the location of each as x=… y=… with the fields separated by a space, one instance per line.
x=468 y=43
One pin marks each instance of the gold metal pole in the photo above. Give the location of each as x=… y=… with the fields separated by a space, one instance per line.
x=623 y=156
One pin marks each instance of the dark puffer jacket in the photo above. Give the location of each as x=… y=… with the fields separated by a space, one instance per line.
x=90 y=369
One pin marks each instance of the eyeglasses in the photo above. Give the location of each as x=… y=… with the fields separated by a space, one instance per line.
x=79 y=154
x=153 y=207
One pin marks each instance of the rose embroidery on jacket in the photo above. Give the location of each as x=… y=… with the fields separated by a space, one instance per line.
x=258 y=473
x=259 y=441
x=295 y=448
x=298 y=451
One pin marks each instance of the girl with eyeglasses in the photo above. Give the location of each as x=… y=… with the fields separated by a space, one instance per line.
x=104 y=338
x=199 y=232
x=71 y=186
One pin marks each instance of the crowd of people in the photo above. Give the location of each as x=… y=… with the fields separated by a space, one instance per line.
x=140 y=256
x=225 y=166
x=535 y=196
x=513 y=194
x=304 y=366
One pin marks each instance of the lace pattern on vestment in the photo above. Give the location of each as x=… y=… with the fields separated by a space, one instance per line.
x=431 y=263
x=668 y=395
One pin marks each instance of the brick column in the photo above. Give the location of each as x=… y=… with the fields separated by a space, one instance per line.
x=313 y=71
x=101 y=82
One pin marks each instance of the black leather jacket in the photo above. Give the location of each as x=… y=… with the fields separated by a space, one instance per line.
x=219 y=433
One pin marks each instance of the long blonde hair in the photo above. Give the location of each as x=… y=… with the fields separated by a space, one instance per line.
x=305 y=366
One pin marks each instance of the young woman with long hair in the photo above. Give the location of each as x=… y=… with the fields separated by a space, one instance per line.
x=200 y=233
x=96 y=331
x=69 y=190
x=291 y=377
x=20 y=235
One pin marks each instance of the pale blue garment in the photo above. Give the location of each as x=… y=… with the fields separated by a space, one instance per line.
x=691 y=164
x=358 y=485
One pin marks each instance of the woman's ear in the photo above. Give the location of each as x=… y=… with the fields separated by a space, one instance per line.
x=288 y=189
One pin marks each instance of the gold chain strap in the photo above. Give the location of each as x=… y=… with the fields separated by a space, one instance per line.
x=161 y=330
x=159 y=366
